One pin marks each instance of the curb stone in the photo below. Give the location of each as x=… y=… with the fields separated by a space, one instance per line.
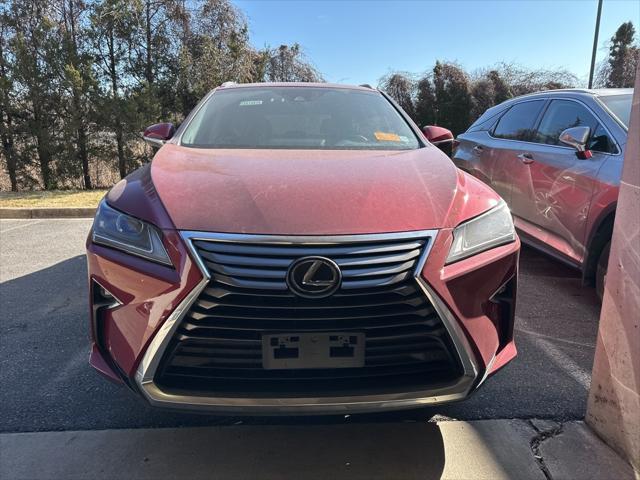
x=52 y=212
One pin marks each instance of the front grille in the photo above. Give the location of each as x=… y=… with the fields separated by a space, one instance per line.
x=218 y=345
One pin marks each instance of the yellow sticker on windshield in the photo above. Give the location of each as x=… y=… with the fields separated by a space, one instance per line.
x=386 y=137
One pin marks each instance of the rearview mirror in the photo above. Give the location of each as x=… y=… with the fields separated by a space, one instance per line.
x=578 y=138
x=156 y=135
x=440 y=137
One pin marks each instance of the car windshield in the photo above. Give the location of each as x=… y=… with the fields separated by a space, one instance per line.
x=620 y=105
x=299 y=118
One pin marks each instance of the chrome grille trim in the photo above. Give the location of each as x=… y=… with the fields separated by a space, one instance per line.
x=305 y=405
x=240 y=263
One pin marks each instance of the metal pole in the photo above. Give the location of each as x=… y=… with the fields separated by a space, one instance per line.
x=595 y=44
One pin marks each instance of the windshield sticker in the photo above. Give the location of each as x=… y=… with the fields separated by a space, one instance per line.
x=246 y=103
x=386 y=137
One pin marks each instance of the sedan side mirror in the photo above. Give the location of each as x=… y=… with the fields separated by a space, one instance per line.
x=156 y=135
x=440 y=137
x=578 y=138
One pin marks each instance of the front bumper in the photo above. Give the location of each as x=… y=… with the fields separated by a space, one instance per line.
x=481 y=349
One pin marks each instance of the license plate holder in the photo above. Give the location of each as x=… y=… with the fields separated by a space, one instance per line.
x=313 y=350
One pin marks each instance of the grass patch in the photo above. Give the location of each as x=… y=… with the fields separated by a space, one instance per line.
x=53 y=198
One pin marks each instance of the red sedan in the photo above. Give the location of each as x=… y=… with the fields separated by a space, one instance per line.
x=300 y=248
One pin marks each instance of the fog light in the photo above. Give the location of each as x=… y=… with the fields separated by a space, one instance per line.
x=103 y=298
x=500 y=308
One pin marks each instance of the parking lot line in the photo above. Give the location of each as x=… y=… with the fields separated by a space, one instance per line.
x=562 y=360
x=18 y=226
x=555 y=339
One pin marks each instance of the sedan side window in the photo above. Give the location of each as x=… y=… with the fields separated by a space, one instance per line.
x=518 y=122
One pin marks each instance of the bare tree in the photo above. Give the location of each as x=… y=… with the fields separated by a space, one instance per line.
x=501 y=89
x=401 y=87
x=289 y=64
x=219 y=45
x=522 y=80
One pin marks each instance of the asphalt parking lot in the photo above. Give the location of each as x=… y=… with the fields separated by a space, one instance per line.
x=47 y=383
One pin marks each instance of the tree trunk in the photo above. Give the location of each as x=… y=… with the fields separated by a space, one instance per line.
x=44 y=157
x=6 y=131
x=83 y=156
x=79 y=114
x=43 y=148
x=149 y=62
x=122 y=161
x=9 y=153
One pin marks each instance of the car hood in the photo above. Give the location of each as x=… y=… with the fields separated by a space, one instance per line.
x=305 y=192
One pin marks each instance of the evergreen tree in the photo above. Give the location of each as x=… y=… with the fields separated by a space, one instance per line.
x=483 y=97
x=453 y=97
x=77 y=83
x=425 y=103
x=80 y=79
x=35 y=48
x=7 y=104
x=112 y=36
x=623 y=57
x=150 y=57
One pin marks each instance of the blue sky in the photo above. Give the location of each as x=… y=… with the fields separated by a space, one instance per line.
x=359 y=41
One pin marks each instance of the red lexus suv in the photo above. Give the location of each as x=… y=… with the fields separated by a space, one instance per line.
x=300 y=248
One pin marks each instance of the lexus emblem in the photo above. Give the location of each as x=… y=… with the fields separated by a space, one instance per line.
x=314 y=277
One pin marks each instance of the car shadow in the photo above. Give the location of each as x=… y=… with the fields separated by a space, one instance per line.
x=407 y=451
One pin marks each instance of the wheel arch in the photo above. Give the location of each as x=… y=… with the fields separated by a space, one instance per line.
x=600 y=234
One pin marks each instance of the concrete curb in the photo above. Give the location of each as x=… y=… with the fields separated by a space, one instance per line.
x=57 y=212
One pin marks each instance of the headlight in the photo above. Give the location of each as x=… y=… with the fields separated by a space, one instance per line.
x=486 y=231
x=118 y=230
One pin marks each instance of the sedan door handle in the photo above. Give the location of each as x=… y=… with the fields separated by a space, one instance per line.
x=526 y=158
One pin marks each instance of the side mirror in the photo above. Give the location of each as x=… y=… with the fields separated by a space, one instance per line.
x=440 y=137
x=578 y=138
x=156 y=135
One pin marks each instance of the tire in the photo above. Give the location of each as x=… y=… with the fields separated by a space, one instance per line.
x=601 y=269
